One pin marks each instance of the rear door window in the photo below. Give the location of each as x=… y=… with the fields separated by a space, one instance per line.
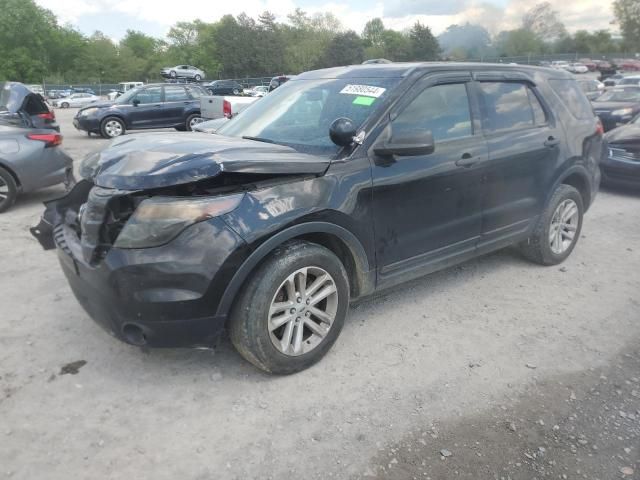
x=509 y=105
x=572 y=96
x=442 y=109
x=175 y=94
x=150 y=95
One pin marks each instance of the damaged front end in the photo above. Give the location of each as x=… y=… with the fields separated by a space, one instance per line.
x=142 y=238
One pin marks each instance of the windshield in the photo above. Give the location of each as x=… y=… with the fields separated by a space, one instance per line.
x=127 y=98
x=630 y=95
x=298 y=114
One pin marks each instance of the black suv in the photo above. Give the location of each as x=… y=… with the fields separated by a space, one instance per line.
x=151 y=106
x=340 y=183
x=224 y=87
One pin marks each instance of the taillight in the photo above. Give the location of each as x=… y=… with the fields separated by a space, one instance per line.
x=226 y=108
x=47 y=116
x=599 y=127
x=51 y=139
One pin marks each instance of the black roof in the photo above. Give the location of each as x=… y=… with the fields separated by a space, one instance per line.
x=398 y=70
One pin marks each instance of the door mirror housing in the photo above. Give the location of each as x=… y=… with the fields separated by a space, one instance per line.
x=136 y=102
x=412 y=143
x=341 y=131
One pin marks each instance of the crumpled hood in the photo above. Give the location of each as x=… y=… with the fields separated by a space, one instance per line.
x=154 y=160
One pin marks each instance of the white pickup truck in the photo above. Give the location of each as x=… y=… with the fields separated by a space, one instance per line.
x=217 y=106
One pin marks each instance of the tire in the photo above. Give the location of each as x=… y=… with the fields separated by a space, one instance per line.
x=236 y=91
x=539 y=247
x=250 y=326
x=109 y=128
x=172 y=74
x=197 y=78
x=64 y=105
x=191 y=121
x=8 y=190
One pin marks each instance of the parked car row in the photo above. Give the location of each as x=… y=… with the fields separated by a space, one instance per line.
x=30 y=153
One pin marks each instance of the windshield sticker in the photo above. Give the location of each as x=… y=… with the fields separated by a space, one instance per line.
x=365 y=90
x=365 y=101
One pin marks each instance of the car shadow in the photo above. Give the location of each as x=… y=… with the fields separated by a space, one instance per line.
x=223 y=361
x=621 y=190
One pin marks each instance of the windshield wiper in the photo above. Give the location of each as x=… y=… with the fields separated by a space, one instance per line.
x=258 y=139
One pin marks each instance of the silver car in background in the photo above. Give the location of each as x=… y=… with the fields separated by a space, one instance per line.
x=183 y=71
x=75 y=100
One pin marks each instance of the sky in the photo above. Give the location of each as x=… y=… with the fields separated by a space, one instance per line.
x=155 y=17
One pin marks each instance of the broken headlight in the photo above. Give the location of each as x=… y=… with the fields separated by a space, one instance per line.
x=158 y=220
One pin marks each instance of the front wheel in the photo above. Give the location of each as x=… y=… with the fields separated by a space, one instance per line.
x=558 y=228
x=292 y=308
x=172 y=74
x=198 y=78
x=112 y=127
x=64 y=105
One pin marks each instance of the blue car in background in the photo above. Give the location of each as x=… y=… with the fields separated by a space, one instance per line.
x=150 y=106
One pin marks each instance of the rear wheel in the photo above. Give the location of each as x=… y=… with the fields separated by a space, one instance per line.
x=292 y=308
x=192 y=121
x=558 y=228
x=8 y=190
x=112 y=127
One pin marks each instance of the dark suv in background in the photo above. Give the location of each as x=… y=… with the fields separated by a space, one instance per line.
x=151 y=106
x=224 y=87
x=340 y=183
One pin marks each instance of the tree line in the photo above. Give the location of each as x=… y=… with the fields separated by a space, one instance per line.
x=35 y=47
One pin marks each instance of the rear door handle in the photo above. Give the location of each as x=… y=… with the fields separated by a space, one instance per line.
x=467 y=160
x=551 y=142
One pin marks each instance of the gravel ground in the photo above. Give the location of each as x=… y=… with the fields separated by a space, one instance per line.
x=481 y=361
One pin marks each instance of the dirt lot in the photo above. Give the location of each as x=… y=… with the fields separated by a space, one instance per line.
x=515 y=370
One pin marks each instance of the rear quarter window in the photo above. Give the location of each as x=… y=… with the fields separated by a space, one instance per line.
x=572 y=97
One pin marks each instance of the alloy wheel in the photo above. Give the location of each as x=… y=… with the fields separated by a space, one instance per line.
x=302 y=311
x=113 y=128
x=195 y=121
x=564 y=225
x=4 y=191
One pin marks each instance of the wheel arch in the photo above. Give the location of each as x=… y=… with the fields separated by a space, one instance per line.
x=11 y=172
x=577 y=178
x=344 y=244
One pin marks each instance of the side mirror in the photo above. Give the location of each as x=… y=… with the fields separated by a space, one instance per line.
x=136 y=102
x=342 y=131
x=407 y=144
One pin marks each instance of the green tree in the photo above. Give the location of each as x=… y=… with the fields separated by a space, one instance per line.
x=468 y=41
x=344 y=49
x=542 y=20
x=627 y=13
x=27 y=32
x=519 y=42
x=373 y=33
x=424 y=46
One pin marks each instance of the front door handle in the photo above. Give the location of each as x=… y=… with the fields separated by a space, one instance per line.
x=551 y=142
x=467 y=160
